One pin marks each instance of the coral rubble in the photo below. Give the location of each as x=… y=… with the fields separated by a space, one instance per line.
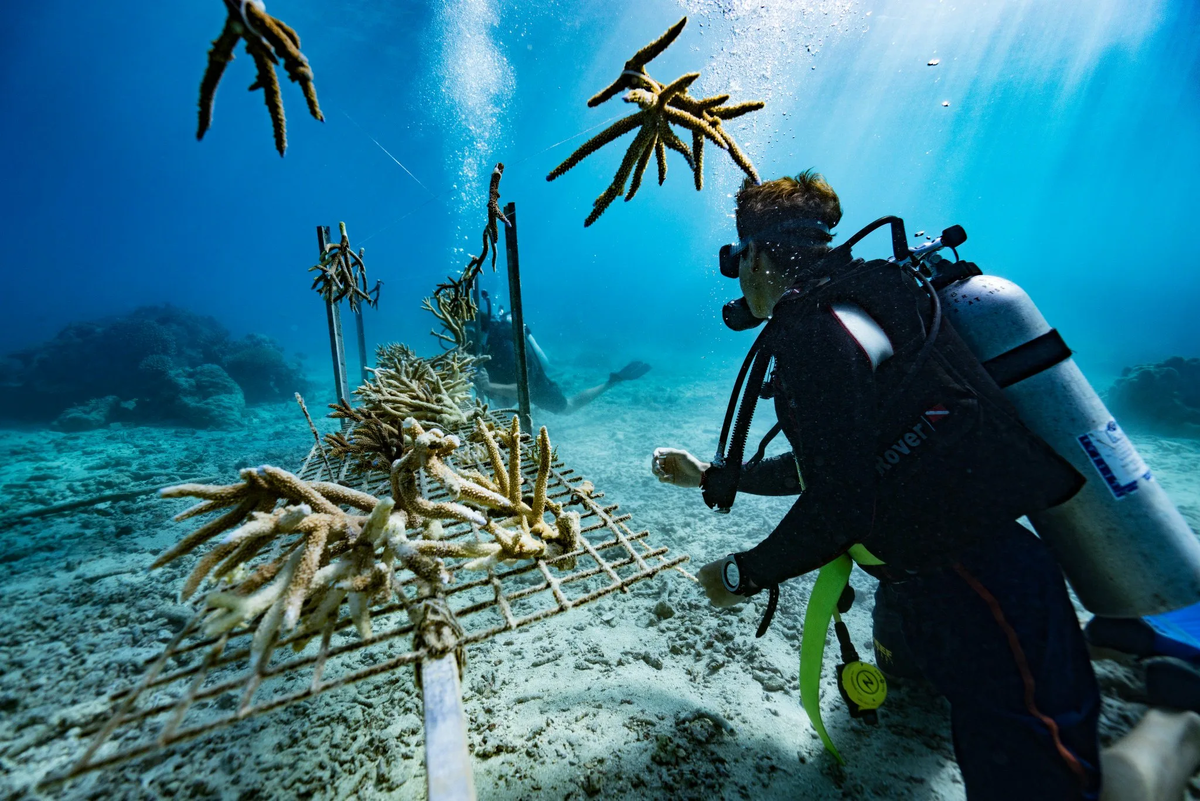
x=661 y=106
x=1163 y=398
x=267 y=41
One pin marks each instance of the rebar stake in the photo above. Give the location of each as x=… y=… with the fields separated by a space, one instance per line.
x=518 y=315
x=333 y=316
x=362 y=337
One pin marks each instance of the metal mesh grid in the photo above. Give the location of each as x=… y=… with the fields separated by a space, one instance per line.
x=199 y=684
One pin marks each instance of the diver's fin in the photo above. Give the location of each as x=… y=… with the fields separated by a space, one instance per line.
x=1172 y=684
x=629 y=372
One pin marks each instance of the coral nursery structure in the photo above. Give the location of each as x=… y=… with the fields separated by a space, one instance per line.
x=310 y=581
x=661 y=106
x=267 y=41
x=291 y=556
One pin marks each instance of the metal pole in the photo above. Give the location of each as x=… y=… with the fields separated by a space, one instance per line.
x=447 y=758
x=477 y=299
x=518 y=315
x=333 y=316
x=362 y=337
x=362 y=344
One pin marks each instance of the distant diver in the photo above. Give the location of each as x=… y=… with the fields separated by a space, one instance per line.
x=498 y=379
x=910 y=462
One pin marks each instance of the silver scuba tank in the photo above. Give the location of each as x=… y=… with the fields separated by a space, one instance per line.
x=1122 y=544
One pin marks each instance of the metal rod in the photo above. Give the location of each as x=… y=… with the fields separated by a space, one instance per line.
x=362 y=337
x=362 y=344
x=518 y=315
x=477 y=299
x=447 y=758
x=333 y=316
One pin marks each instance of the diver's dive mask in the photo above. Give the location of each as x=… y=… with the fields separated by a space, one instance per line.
x=797 y=231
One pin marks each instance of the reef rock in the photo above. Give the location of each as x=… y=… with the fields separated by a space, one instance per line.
x=1163 y=398
x=162 y=364
x=258 y=365
x=96 y=413
x=209 y=398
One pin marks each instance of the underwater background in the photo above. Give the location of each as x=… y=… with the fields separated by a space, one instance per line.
x=1067 y=151
x=1061 y=135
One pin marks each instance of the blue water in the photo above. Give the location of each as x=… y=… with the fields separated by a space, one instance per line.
x=1068 y=152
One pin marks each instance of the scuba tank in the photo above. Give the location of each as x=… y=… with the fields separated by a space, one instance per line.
x=1122 y=544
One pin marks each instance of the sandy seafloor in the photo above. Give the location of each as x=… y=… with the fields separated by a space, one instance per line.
x=592 y=703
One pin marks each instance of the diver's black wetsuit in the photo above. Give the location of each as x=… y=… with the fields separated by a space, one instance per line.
x=983 y=604
x=502 y=367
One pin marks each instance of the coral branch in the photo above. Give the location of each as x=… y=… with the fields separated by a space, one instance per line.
x=268 y=40
x=661 y=106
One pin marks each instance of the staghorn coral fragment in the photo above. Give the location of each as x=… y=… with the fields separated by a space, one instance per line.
x=293 y=556
x=268 y=40
x=514 y=460
x=452 y=303
x=543 y=474
x=614 y=131
x=499 y=473
x=640 y=169
x=342 y=274
x=207 y=531
x=219 y=57
x=635 y=68
x=661 y=106
x=306 y=569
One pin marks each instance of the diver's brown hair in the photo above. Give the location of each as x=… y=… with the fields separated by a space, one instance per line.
x=763 y=206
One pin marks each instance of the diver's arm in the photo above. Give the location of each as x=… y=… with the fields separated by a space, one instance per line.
x=537 y=349
x=830 y=392
x=776 y=475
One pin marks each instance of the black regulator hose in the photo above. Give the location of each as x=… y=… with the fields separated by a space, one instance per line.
x=930 y=339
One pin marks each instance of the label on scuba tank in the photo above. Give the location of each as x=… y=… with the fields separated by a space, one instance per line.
x=1115 y=459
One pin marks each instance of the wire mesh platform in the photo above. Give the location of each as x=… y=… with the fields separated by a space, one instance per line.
x=199 y=684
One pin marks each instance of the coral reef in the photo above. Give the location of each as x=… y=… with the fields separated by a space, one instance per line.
x=1163 y=398
x=291 y=555
x=162 y=363
x=267 y=41
x=257 y=363
x=434 y=391
x=661 y=105
x=342 y=274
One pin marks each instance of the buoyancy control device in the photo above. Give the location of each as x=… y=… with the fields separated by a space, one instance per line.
x=1122 y=544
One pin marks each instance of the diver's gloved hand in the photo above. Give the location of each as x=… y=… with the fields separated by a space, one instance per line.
x=673 y=466
x=709 y=577
x=629 y=372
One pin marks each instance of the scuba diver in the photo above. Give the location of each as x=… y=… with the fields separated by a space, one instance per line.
x=910 y=461
x=494 y=334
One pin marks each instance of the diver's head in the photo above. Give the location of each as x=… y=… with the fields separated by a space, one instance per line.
x=783 y=227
